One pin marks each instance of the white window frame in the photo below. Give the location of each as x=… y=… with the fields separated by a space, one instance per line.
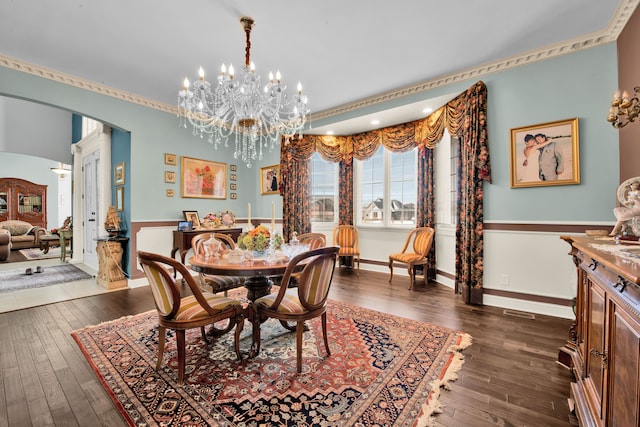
x=386 y=208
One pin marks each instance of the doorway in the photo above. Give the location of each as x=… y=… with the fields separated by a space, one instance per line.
x=92 y=192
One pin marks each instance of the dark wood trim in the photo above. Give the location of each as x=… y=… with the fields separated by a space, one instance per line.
x=548 y=228
x=529 y=297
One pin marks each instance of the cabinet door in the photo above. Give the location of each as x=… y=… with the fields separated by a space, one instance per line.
x=595 y=368
x=624 y=370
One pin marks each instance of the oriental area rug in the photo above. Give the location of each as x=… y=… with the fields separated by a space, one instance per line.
x=383 y=370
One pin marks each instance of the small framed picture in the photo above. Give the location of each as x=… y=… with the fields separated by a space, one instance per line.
x=170 y=159
x=119 y=199
x=170 y=192
x=234 y=196
x=118 y=174
x=233 y=168
x=169 y=177
x=269 y=179
x=233 y=186
x=233 y=177
x=545 y=154
x=193 y=217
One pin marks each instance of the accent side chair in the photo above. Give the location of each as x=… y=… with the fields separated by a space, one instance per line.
x=422 y=238
x=346 y=237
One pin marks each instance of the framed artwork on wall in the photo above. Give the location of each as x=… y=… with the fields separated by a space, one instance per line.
x=545 y=154
x=119 y=199
x=203 y=179
x=118 y=174
x=269 y=179
x=170 y=159
x=169 y=177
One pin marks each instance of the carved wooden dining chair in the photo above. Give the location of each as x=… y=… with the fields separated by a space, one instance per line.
x=179 y=312
x=314 y=240
x=416 y=255
x=346 y=237
x=307 y=301
x=215 y=283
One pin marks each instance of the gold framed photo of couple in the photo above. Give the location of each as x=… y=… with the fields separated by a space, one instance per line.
x=545 y=154
x=269 y=179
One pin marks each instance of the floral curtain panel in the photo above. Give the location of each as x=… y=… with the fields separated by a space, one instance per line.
x=464 y=117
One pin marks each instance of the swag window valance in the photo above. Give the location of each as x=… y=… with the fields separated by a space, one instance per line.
x=465 y=119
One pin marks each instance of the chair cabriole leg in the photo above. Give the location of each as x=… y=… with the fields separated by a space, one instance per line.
x=162 y=332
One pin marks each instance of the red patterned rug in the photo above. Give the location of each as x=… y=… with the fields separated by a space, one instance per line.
x=383 y=370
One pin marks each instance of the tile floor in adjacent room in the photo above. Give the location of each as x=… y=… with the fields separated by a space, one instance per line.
x=17 y=300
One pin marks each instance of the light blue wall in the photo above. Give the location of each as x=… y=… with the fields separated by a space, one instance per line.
x=574 y=85
x=153 y=133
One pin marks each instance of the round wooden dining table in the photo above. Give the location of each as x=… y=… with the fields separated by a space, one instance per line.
x=257 y=271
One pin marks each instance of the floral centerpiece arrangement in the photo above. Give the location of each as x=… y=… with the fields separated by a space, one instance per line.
x=258 y=239
x=210 y=220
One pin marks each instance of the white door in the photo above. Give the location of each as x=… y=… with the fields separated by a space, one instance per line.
x=91 y=206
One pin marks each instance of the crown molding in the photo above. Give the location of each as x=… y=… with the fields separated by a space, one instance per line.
x=611 y=34
x=57 y=76
x=617 y=24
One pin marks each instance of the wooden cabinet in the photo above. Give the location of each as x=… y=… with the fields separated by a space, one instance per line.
x=23 y=200
x=604 y=349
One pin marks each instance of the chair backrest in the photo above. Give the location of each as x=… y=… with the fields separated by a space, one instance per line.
x=225 y=239
x=314 y=240
x=423 y=240
x=314 y=282
x=165 y=290
x=345 y=236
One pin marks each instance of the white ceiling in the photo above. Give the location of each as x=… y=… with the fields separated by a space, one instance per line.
x=341 y=51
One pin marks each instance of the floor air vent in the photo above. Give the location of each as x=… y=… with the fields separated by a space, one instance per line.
x=521 y=314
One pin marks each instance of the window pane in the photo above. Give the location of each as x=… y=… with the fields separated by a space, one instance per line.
x=373 y=188
x=391 y=200
x=324 y=181
x=403 y=188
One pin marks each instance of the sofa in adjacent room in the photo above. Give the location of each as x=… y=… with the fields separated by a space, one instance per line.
x=5 y=244
x=23 y=234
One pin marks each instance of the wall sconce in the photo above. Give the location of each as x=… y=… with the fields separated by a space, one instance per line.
x=625 y=110
x=61 y=170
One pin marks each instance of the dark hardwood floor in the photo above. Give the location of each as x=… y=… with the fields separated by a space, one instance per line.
x=510 y=376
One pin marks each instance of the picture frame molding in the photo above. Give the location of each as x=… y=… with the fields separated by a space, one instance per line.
x=566 y=132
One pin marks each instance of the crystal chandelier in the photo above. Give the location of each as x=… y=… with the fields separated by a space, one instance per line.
x=256 y=114
x=624 y=111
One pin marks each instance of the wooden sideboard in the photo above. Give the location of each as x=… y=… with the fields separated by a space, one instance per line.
x=603 y=351
x=23 y=200
x=182 y=239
